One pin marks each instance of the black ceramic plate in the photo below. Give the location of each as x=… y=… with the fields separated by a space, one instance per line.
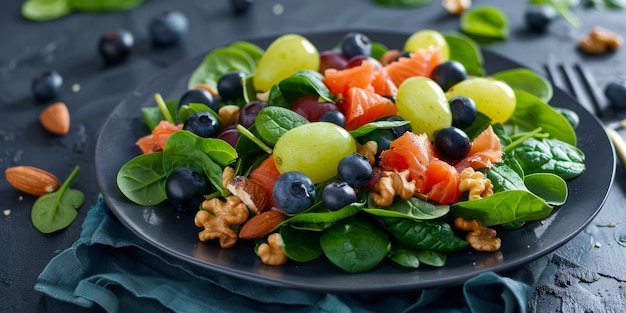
x=177 y=235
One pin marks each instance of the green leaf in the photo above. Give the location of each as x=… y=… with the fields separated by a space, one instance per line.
x=371 y=126
x=506 y=175
x=532 y=113
x=355 y=244
x=302 y=83
x=57 y=210
x=526 y=80
x=273 y=121
x=503 y=207
x=301 y=245
x=424 y=235
x=405 y=257
x=413 y=208
x=321 y=220
x=432 y=258
x=485 y=23
x=45 y=10
x=550 y=156
x=103 y=5
x=403 y=3
x=550 y=187
x=142 y=179
x=153 y=115
x=378 y=49
x=220 y=61
x=465 y=50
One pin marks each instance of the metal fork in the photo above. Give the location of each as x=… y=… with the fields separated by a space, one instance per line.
x=581 y=84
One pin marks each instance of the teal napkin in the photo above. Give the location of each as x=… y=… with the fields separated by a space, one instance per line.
x=111 y=267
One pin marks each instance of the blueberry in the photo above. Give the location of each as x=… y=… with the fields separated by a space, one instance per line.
x=399 y=130
x=354 y=44
x=355 y=170
x=240 y=7
x=335 y=117
x=337 y=195
x=452 y=143
x=293 y=192
x=448 y=73
x=230 y=85
x=46 y=85
x=198 y=95
x=538 y=17
x=168 y=27
x=185 y=189
x=616 y=93
x=203 y=124
x=463 y=111
x=115 y=46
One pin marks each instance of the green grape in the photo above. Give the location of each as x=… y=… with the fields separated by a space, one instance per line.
x=424 y=38
x=285 y=56
x=421 y=101
x=314 y=149
x=493 y=98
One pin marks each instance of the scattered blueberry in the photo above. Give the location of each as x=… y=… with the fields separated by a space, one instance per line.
x=452 y=143
x=198 y=95
x=448 y=73
x=337 y=195
x=46 y=85
x=203 y=124
x=115 y=46
x=240 y=7
x=168 y=27
x=463 y=111
x=354 y=44
x=185 y=189
x=538 y=17
x=335 y=117
x=616 y=93
x=230 y=85
x=355 y=170
x=293 y=192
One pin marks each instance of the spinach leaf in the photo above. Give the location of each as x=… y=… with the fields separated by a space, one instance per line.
x=531 y=113
x=551 y=188
x=371 y=126
x=322 y=220
x=506 y=175
x=45 y=10
x=432 y=258
x=301 y=245
x=503 y=207
x=526 y=80
x=153 y=115
x=424 y=235
x=273 y=121
x=403 y=3
x=405 y=257
x=301 y=83
x=378 y=49
x=220 y=61
x=57 y=210
x=254 y=51
x=413 y=208
x=465 y=50
x=355 y=244
x=103 y=5
x=485 y=23
x=550 y=156
x=572 y=118
x=142 y=179
x=480 y=123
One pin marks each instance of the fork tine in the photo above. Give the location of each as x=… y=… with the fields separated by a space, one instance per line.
x=593 y=89
x=568 y=78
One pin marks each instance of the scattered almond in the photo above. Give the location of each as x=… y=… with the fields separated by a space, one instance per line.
x=56 y=118
x=250 y=193
x=456 y=7
x=206 y=87
x=31 y=180
x=261 y=225
x=599 y=41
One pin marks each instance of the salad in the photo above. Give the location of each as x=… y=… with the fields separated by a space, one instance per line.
x=357 y=154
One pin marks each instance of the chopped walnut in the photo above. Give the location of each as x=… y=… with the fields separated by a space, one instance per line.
x=456 y=7
x=391 y=184
x=478 y=185
x=368 y=150
x=218 y=217
x=229 y=114
x=480 y=237
x=227 y=175
x=600 y=40
x=271 y=253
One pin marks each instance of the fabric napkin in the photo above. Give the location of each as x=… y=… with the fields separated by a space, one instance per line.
x=111 y=267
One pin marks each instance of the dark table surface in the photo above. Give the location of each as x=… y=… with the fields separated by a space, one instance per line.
x=68 y=45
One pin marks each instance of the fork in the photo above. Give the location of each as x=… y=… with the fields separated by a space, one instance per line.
x=580 y=83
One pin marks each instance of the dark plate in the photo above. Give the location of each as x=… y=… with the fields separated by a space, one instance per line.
x=177 y=235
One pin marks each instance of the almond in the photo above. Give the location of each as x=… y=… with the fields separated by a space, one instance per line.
x=56 y=118
x=250 y=193
x=261 y=225
x=31 y=180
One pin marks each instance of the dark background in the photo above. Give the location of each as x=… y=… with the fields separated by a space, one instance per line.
x=69 y=46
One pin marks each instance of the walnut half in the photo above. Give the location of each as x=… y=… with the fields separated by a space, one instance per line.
x=480 y=237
